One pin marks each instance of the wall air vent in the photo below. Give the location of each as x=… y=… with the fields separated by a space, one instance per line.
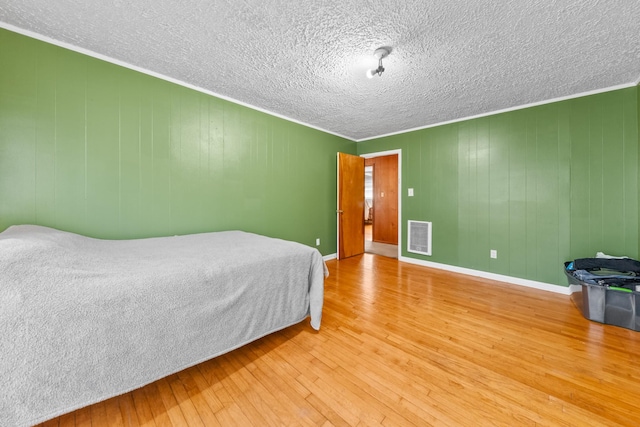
x=419 y=237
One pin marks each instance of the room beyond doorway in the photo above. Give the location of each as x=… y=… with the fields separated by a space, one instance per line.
x=381 y=204
x=372 y=247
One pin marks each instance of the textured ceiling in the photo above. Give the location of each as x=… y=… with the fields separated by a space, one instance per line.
x=307 y=60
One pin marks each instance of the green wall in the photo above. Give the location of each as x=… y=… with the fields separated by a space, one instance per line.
x=541 y=185
x=94 y=148
x=91 y=147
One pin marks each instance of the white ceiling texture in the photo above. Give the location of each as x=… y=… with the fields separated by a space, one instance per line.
x=306 y=60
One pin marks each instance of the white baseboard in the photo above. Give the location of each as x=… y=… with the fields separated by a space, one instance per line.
x=330 y=256
x=493 y=276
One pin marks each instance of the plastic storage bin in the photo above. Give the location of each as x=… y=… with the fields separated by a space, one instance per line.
x=605 y=305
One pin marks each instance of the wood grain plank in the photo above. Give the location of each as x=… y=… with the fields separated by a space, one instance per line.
x=241 y=391
x=187 y=407
x=55 y=422
x=143 y=408
x=113 y=417
x=99 y=414
x=168 y=400
x=198 y=398
x=146 y=403
x=83 y=417
x=67 y=420
x=128 y=410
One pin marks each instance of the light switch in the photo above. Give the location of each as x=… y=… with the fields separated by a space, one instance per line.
x=411 y=192
x=382 y=194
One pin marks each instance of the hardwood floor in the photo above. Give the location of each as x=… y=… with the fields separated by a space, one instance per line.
x=405 y=345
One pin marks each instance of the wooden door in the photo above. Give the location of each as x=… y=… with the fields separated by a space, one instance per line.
x=350 y=205
x=385 y=199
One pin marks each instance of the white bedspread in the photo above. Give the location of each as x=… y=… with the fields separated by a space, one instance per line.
x=82 y=319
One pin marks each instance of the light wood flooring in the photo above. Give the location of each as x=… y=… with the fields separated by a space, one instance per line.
x=405 y=345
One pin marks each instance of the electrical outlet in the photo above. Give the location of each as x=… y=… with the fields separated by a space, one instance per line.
x=493 y=254
x=318 y=241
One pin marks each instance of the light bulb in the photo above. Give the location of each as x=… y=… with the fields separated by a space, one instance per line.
x=371 y=73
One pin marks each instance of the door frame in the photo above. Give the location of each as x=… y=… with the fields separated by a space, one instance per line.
x=388 y=153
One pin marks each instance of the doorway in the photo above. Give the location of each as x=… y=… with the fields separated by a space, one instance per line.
x=381 y=205
x=351 y=218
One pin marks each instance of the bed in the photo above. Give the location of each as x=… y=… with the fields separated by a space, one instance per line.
x=83 y=320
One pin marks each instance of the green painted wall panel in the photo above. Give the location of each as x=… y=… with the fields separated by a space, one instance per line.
x=18 y=159
x=499 y=193
x=91 y=147
x=613 y=196
x=517 y=196
x=481 y=211
x=129 y=160
x=467 y=196
x=548 y=192
x=540 y=185
x=445 y=155
x=70 y=142
x=161 y=158
x=596 y=176
x=426 y=154
x=564 y=183
x=102 y=144
x=45 y=121
x=579 y=123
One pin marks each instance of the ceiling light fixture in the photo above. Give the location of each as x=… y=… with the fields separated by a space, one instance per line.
x=381 y=52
